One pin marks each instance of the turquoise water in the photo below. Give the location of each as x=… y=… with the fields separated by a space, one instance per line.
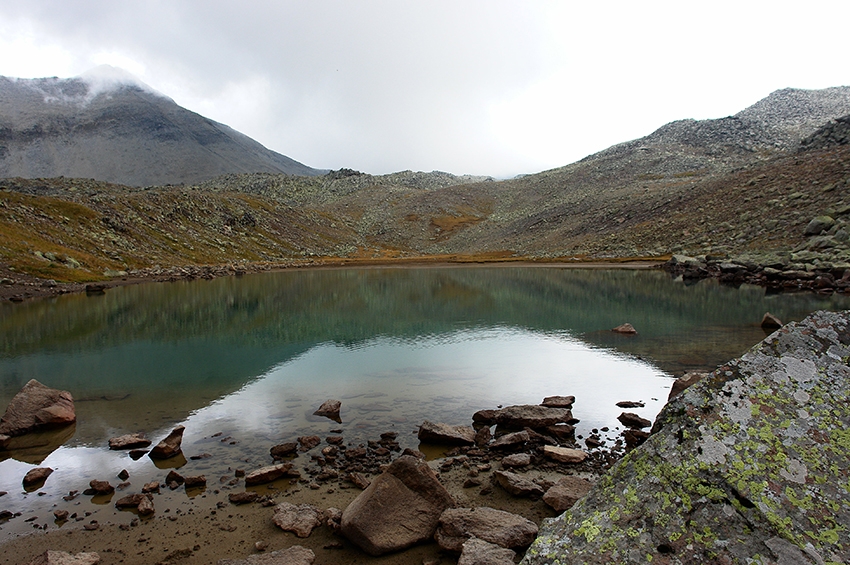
x=253 y=357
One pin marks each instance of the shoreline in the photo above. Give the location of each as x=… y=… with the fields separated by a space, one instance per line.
x=20 y=287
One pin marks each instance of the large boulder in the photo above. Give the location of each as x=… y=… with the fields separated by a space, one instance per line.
x=400 y=508
x=747 y=466
x=495 y=526
x=37 y=407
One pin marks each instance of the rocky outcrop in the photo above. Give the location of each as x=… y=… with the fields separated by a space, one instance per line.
x=748 y=465
x=36 y=407
x=400 y=508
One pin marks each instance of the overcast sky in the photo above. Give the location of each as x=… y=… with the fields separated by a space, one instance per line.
x=482 y=87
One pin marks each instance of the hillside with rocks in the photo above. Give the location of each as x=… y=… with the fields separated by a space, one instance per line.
x=119 y=130
x=744 y=188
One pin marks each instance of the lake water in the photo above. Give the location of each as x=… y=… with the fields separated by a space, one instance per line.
x=251 y=358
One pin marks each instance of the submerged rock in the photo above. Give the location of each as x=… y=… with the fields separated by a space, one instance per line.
x=36 y=407
x=400 y=508
x=748 y=465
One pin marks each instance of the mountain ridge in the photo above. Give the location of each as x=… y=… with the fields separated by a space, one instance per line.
x=121 y=132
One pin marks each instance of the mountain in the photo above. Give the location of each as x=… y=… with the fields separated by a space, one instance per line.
x=745 y=185
x=110 y=126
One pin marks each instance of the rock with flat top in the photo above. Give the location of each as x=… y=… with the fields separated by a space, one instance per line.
x=170 y=446
x=400 y=508
x=64 y=558
x=524 y=416
x=559 y=401
x=270 y=473
x=502 y=528
x=564 y=454
x=129 y=441
x=37 y=407
x=446 y=434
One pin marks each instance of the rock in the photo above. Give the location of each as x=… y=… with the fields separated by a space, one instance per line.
x=635 y=437
x=559 y=401
x=146 y=507
x=37 y=407
x=36 y=476
x=101 y=487
x=562 y=432
x=270 y=473
x=283 y=450
x=129 y=441
x=630 y=404
x=170 y=446
x=526 y=415
x=479 y=552
x=151 y=487
x=174 y=477
x=564 y=454
x=359 y=480
x=295 y=555
x=626 y=329
x=818 y=225
x=431 y=432
x=683 y=382
x=566 y=492
x=124 y=475
x=400 y=508
x=242 y=497
x=746 y=453
x=300 y=519
x=515 y=440
x=60 y=515
x=483 y=436
x=517 y=460
x=516 y=485
x=456 y=525
x=632 y=420
x=309 y=442
x=129 y=501
x=770 y=322
x=196 y=481
x=329 y=409
x=65 y=558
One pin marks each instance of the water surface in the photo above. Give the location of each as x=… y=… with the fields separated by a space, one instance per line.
x=251 y=358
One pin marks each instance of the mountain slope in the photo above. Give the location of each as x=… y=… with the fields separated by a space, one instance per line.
x=122 y=132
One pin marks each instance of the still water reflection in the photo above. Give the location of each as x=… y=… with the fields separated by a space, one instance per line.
x=253 y=357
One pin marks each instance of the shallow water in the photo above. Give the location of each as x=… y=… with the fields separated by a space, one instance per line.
x=251 y=358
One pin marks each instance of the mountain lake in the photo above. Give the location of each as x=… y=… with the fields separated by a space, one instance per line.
x=243 y=362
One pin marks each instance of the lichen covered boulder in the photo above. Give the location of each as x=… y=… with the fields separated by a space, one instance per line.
x=750 y=465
